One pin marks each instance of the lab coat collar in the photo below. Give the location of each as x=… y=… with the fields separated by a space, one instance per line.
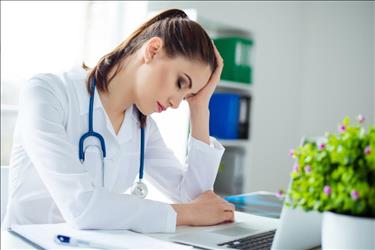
x=79 y=77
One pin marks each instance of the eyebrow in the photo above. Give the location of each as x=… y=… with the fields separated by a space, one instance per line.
x=190 y=82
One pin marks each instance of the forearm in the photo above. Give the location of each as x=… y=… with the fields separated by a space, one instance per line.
x=200 y=125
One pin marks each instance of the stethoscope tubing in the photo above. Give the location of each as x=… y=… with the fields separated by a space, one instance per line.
x=92 y=133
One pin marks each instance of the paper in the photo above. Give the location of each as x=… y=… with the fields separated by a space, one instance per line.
x=44 y=234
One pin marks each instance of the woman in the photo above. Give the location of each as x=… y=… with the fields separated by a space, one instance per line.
x=57 y=172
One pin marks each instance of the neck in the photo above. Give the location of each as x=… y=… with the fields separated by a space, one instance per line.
x=120 y=89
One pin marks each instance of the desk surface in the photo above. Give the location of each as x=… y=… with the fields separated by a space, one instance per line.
x=10 y=241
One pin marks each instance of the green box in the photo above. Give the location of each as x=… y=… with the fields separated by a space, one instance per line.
x=236 y=54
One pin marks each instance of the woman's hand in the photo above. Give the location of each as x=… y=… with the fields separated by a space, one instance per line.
x=198 y=104
x=206 y=210
x=202 y=98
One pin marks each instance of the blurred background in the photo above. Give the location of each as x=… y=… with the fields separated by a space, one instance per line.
x=305 y=66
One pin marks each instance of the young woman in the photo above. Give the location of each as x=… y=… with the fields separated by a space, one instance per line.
x=84 y=136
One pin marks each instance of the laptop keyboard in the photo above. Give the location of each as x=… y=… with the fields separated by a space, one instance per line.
x=257 y=241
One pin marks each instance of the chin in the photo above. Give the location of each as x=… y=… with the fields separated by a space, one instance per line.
x=143 y=110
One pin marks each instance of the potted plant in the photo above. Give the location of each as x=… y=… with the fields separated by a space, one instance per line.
x=336 y=176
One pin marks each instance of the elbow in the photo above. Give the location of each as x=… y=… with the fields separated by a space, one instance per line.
x=80 y=213
x=81 y=222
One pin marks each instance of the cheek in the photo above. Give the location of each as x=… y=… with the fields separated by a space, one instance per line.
x=161 y=78
x=152 y=84
x=154 y=78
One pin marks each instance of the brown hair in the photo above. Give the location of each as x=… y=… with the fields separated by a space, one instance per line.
x=181 y=36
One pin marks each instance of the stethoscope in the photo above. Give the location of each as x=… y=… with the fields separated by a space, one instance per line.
x=139 y=188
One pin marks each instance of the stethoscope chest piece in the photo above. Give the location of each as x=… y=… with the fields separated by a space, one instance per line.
x=139 y=189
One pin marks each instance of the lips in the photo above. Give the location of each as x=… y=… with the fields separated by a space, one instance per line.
x=160 y=107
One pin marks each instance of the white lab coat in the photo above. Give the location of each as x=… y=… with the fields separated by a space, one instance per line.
x=48 y=183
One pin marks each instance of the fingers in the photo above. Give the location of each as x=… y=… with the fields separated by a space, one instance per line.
x=227 y=211
x=215 y=77
x=227 y=216
x=220 y=64
x=230 y=207
x=210 y=209
x=224 y=213
x=220 y=60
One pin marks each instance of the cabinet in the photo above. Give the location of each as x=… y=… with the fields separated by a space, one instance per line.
x=231 y=178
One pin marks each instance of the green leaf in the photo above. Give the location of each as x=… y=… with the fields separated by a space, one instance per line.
x=342 y=165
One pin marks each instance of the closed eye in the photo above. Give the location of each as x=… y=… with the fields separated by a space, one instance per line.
x=179 y=83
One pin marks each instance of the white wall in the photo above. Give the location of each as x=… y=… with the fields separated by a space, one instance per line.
x=313 y=64
x=338 y=63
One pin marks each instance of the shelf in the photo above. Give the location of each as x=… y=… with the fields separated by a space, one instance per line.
x=234 y=86
x=234 y=143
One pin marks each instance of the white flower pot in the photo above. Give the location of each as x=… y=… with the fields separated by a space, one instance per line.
x=347 y=232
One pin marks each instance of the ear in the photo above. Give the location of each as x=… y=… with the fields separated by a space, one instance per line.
x=153 y=47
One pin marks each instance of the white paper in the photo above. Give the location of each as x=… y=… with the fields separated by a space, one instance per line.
x=44 y=235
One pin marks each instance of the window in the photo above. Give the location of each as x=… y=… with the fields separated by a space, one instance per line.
x=36 y=37
x=53 y=36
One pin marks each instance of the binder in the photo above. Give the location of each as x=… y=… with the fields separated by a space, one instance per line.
x=244 y=117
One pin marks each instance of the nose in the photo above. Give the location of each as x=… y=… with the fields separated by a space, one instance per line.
x=175 y=101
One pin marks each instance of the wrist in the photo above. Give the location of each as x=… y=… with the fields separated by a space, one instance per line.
x=199 y=111
x=183 y=214
x=200 y=120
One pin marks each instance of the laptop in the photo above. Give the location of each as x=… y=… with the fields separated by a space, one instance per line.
x=296 y=229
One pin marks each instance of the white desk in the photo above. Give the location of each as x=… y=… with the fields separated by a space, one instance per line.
x=10 y=241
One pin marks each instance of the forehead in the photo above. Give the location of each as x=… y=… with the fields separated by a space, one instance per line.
x=198 y=71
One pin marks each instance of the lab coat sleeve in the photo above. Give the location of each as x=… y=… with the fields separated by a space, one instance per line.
x=181 y=182
x=84 y=206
